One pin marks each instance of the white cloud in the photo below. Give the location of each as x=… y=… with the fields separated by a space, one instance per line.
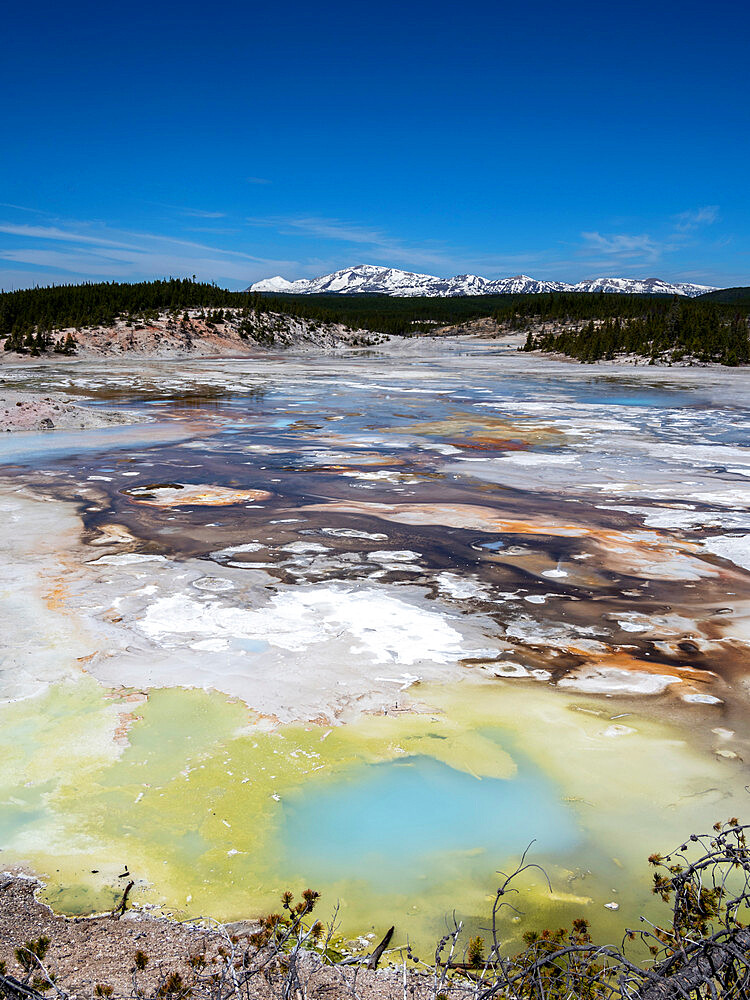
x=86 y=251
x=379 y=247
x=624 y=246
x=704 y=216
x=333 y=229
x=76 y=251
x=198 y=213
x=634 y=251
x=59 y=235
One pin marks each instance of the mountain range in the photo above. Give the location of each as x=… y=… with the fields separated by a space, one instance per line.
x=369 y=279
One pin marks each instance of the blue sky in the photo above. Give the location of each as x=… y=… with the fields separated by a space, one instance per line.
x=241 y=140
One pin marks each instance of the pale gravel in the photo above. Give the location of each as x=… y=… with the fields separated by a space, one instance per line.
x=30 y=411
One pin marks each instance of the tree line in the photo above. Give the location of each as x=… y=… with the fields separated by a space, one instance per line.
x=30 y=317
x=685 y=330
x=606 y=324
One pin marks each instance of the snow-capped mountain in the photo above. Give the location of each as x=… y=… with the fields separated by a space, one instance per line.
x=277 y=284
x=369 y=279
x=522 y=284
x=641 y=286
x=366 y=278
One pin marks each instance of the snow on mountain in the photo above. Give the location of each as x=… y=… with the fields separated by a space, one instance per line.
x=369 y=279
x=277 y=284
x=522 y=284
x=645 y=286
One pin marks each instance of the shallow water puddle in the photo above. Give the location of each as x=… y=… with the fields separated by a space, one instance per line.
x=394 y=825
x=213 y=811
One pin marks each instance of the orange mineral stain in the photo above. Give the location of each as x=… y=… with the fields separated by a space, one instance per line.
x=189 y=495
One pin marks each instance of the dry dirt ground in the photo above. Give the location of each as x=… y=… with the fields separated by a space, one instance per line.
x=485 y=328
x=190 y=334
x=29 y=411
x=86 y=952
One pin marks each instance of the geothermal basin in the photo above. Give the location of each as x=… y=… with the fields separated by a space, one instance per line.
x=372 y=624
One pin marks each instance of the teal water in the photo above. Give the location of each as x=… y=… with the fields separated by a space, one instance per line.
x=389 y=823
x=28 y=446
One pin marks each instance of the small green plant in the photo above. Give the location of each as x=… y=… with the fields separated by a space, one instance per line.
x=30 y=954
x=475 y=952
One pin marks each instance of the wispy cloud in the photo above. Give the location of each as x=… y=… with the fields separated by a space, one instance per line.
x=687 y=221
x=117 y=239
x=373 y=244
x=597 y=253
x=623 y=246
x=198 y=213
x=84 y=250
x=257 y=180
x=60 y=235
x=213 y=230
x=52 y=249
x=191 y=211
x=21 y=208
x=328 y=229
x=632 y=252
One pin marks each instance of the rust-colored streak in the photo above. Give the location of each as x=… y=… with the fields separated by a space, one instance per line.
x=492 y=444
